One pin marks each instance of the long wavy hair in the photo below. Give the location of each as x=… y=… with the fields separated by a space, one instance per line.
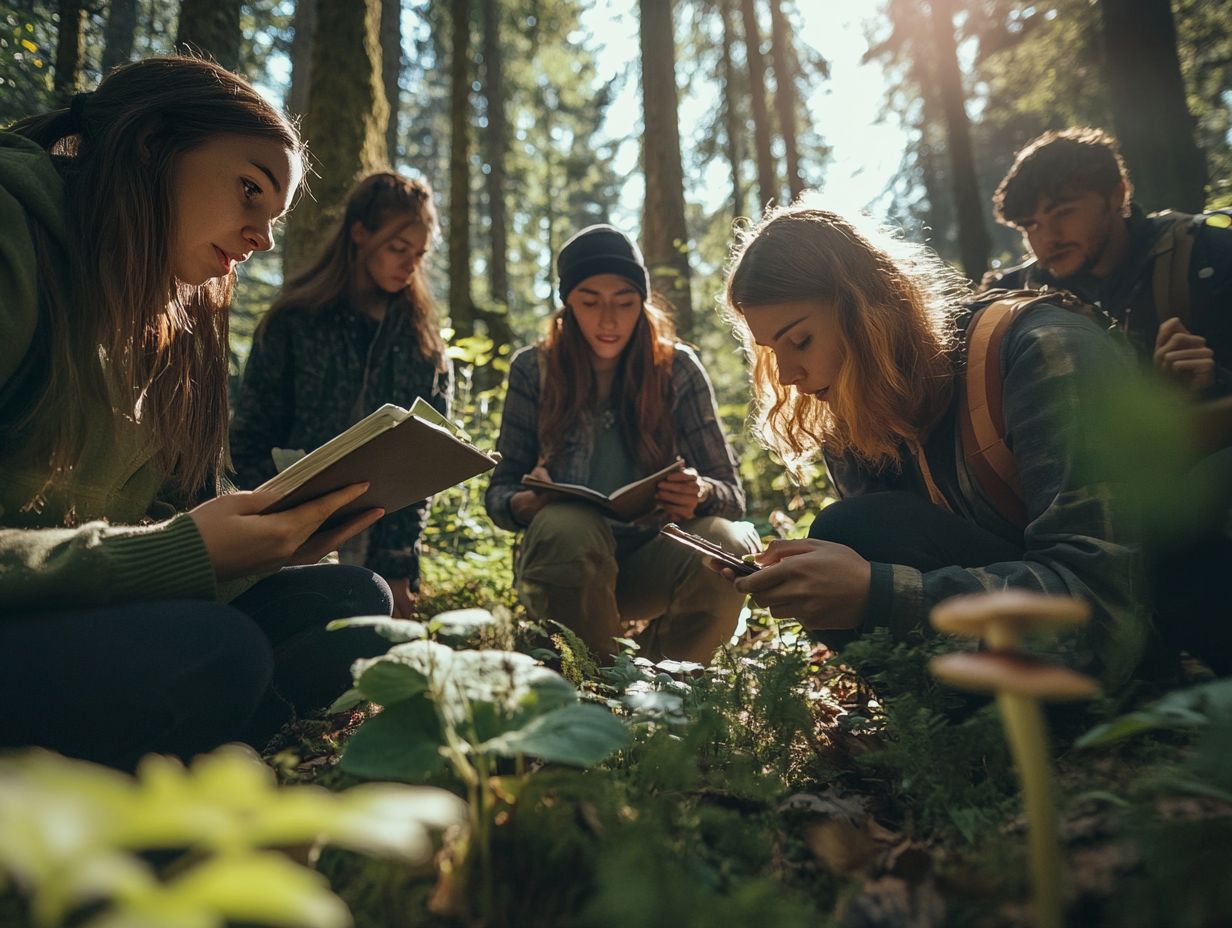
x=896 y=306
x=164 y=343
x=642 y=386
x=381 y=201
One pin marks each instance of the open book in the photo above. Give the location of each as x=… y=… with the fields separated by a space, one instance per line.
x=405 y=454
x=625 y=504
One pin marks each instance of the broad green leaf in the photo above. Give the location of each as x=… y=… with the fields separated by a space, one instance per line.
x=580 y=735
x=461 y=623
x=382 y=818
x=401 y=743
x=388 y=679
x=348 y=700
x=1186 y=709
x=393 y=629
x=258 y=888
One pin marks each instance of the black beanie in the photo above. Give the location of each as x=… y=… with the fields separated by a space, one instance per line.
x=601 y=249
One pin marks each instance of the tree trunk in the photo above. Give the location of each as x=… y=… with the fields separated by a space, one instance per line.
x=731 y=114
x=70 y=49
x=391 y=70
x=767 y=181
x=120 y=30
x=664 y=233
x=496 y=143
x=1147 y=92
x=211 y=27
x=301 y=56
x=461 y=303
x=346 y=118
x=973 y=239
x=785 y=94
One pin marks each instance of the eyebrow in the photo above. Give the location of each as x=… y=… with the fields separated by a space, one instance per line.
x=620 y=292
x=268 y=173
x=783 y=331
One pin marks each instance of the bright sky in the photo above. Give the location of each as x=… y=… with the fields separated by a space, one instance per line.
x=845 y=110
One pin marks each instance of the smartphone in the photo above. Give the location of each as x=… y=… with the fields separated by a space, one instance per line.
x=709 y=548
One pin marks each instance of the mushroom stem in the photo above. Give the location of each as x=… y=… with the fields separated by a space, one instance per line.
x=1024 y=727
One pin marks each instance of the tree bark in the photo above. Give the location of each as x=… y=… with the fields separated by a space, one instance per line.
x=731 y=113
x=1147 y=92
x=211 y=27
x=120 y=31
x=767 y=181
x=785 y=94
x=70 y=49
x=461 y=302
x=496 y=143
x=346 y=118
x=973 y=239
x=665 y=235
x=391 y=70
x=301 y=56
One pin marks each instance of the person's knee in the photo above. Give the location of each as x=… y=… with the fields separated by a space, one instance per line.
x=568 y=544
x=360 y=591
x=736 y=537
x=865 y=523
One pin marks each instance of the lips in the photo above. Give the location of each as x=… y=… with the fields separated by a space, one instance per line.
x=226 y=260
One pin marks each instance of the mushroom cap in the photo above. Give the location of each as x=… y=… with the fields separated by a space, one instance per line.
x=972 y=613
x=1012 y=672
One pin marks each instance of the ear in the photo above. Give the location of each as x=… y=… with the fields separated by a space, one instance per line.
x=1117 y=200
x=359 y=235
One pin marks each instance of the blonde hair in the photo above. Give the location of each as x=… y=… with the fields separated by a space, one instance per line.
x=896 y=304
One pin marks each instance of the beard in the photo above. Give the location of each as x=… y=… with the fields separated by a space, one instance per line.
x=1099 y=245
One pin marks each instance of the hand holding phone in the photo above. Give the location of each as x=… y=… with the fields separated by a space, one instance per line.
x=710 y=549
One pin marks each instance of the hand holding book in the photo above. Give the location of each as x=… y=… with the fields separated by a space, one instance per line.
x=629 y=503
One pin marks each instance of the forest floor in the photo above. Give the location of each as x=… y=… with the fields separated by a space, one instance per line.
x=784 y=787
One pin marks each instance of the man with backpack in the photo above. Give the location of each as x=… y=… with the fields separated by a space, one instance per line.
x=1165 y=279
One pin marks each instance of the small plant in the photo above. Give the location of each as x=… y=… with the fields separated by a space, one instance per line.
x=72 y=833
x=463 y=711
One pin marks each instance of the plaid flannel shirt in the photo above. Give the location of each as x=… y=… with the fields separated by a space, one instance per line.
x=1082 y=539
x=699 y=439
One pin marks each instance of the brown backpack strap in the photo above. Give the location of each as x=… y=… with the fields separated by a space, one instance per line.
x=1170 y=269
x=981 y=412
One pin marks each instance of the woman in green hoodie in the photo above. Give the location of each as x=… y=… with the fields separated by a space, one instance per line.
x=124 y=626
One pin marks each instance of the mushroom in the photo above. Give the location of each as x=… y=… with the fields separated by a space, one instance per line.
x=1019 y=681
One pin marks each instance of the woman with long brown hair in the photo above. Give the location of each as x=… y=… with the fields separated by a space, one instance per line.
x=607 y=397
x=127 y=627
x=356 y=329
x=858 y=342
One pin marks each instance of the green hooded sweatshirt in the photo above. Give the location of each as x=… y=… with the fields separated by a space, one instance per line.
x=93 y=542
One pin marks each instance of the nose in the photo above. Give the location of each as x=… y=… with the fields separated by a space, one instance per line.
x=261 y=238
x=607 y=315
x=788 y=375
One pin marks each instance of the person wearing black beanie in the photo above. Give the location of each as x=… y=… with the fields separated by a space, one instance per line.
x=606 y=398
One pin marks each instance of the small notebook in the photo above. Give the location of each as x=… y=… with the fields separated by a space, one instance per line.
x=405 y=454
x=625 y=504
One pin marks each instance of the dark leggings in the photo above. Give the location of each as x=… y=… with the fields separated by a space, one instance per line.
x=902 y=528
x=181 y=677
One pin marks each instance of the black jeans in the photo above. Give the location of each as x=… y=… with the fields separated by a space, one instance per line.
x=181 y=677
x=1193 y=575
x=902 y=528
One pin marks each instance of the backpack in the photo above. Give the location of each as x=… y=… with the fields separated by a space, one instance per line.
x=981 y=416
x=1170 y=257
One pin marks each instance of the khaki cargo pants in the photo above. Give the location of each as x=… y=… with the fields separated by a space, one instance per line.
x=569 y=570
